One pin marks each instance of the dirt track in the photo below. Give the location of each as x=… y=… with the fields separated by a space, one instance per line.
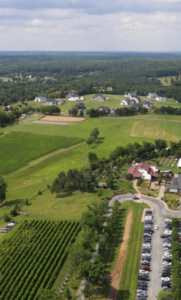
x=116 y=273
x=62 y=119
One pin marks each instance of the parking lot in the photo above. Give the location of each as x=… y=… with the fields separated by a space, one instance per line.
x=154 y=285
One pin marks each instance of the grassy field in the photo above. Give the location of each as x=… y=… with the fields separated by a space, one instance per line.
x=113 y=133
x=18 y=148
x=148 y=129
x=166 y=81
x=128 y=283
x=4 y=78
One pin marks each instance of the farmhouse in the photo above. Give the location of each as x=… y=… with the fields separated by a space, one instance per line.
x=50 y=101
x=175 y=186
x=104 y=108
x=74 y=97
x=132 y=95
x=126 y=102
x=152 y=95
x=161 y=98
x=40 y=99
x=143 y=170
x=80 y=106
x=179 y=164
x=99 y=97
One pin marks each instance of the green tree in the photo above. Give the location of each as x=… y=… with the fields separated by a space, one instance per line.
x=77 y=256
x=73 y=111
x=47 y=295
x=92 y=157
x=174 y=234
x=3 y=189
x=67 y=294
x=164 y=295
x=7 y=218
x=88 y=290
x=100 y=193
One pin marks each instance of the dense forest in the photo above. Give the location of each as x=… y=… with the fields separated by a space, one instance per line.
x=86 y=73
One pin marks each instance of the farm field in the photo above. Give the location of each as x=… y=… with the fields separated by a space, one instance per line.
x=38 y=251
x=148 y=129
x=166 y=81
x=4 y=78
x=113 y=133
x=18 y=148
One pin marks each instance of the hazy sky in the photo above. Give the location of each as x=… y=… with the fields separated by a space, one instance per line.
x=90 y=25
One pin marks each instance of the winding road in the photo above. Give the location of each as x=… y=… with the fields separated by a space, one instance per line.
x=160 y=211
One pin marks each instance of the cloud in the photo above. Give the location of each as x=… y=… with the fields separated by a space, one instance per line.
x=136 y=25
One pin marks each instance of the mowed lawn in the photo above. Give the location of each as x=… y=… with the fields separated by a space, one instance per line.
x=18 y=148
x=129 y=275
x=152 y=130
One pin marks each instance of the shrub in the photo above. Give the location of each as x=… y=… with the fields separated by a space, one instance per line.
x=13 y=212
x=129 y=176
x=7 y=218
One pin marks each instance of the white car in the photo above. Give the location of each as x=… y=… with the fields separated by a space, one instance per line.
x=168 y=220
x=143 y=272
x=156 y=227
x=166 y=263
x=146 y=255
x=165 y=278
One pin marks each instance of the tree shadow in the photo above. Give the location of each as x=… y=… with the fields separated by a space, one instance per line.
x=18 y=202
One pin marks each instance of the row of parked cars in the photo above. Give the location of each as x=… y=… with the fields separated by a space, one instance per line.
x=145 y=263
x=167 y=256
x=9 y=226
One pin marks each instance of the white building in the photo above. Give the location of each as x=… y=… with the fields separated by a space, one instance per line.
x=40 y=99
x=152 y=95
x=75 y=97
x=160 y=98
x=179 y=164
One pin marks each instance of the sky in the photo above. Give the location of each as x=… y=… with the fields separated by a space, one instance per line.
x=92 y=25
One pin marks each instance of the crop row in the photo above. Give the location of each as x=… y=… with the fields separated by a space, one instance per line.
x=36 y=264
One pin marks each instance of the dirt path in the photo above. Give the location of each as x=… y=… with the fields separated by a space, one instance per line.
x=116 y=273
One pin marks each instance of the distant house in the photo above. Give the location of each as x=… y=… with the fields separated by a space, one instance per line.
x=74 y=97
x=80 y=106
x=152 y=95
x=99 y=97
x=49 y=78
x=148 y=104
x=137 y=105
x=175 y=186
x=143 y=170
x=104 y=108
x=109 y=89
x=131 y=98
x=125 y=102
x=40 y=99
x=133 y=95
x=50 y=101
x=161 y=98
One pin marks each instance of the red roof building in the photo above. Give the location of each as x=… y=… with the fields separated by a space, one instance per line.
x=143 y=170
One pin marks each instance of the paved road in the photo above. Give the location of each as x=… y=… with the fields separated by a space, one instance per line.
x=159 y=211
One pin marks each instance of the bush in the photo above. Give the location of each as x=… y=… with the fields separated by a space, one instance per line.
x=7 y=218
x=39 y=193
x=13 y=212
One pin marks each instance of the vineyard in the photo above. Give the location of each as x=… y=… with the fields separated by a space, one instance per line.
x=19 y=148
x=33 y=258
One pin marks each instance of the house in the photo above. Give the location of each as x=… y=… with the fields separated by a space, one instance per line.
x=50 y=101
x=80 y=106
x=137 y=105
x=125 y=102
x=161 y=98
x=133 y=95
x=148 y=104
x=74 y=97
x=175 y=186
x=152 y=95
x=48 y=78
x=40 y=99
x=104 y=108
x=143 y=170
x=109 y=89
x=99 y=97
x=179 y=164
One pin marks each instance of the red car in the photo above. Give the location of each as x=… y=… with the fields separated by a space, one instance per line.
x=144 y=267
